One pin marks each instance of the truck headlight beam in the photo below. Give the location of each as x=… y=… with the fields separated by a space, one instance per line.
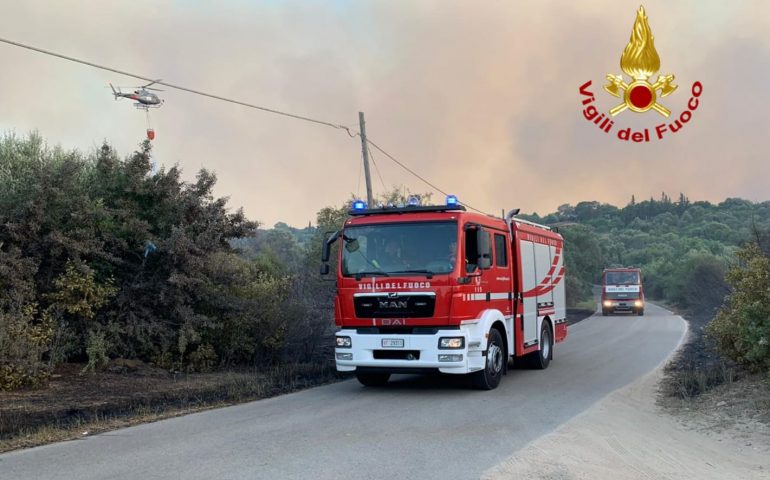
x=344 y=342
x=447 y=343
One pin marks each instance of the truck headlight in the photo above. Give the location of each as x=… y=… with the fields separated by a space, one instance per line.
x=607 y=303
x=451 y=342
x=638 y=303
x=344 y=342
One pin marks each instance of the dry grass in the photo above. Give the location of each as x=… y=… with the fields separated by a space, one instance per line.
x=74 y=405
x=692 y=381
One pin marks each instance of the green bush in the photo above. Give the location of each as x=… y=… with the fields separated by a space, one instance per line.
x=96 y=349
x=741 y=329
x=24 y=338
x=202 y=359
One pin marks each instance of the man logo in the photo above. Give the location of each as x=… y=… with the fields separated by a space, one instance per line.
x=393 y=304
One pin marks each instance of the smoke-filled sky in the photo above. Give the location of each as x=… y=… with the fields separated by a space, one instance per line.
x=481 y=98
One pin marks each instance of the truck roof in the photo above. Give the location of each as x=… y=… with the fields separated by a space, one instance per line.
x=438 y=213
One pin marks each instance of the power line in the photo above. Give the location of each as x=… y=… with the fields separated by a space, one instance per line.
x=237 y=102
x=417 y=175
x=178 y=87
x=376 y=168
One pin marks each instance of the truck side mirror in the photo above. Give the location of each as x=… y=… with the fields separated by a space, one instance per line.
x=484 y=249
x=327 y=246
x=325 y=269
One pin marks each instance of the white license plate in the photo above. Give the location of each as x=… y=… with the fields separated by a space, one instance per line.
x=392 y=343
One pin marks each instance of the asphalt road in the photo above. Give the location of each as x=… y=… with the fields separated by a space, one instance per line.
x=416 y=427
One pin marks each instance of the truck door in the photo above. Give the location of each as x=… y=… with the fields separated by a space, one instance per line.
x=502 y=290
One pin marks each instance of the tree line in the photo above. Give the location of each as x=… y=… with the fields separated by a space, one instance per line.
x=710 y=260
x=103 y=257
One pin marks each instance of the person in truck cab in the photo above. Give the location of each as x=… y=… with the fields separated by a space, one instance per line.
x=390 y=256
x=452 y=255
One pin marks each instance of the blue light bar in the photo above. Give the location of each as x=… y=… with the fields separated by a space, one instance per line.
x=413 y=201
x=359 y=205
x=451 y=200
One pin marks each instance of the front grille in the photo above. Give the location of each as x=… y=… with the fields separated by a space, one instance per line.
x=403 y=330
x=385 y=306
x=396 y=354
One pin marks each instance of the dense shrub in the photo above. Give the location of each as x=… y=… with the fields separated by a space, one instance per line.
x=741 y=329
x=24 y=337
x=101 y=257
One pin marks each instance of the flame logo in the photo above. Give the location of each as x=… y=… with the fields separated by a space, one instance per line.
x=640 y=60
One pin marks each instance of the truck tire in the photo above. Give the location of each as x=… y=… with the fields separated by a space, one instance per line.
x=640 y=312
x=373 y=379
x=605 y=312
x=489 y=378
x=539 y=360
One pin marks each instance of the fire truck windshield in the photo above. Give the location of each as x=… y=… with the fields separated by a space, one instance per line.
x=621 y=278
x=400 y=249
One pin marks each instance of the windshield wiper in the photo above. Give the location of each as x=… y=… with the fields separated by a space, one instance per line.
x=427 y=273
x=377 y=272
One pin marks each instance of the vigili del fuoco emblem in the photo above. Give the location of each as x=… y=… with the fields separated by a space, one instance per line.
x=640 y=61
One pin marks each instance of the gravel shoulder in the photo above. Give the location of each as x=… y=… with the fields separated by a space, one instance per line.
x=629 y=435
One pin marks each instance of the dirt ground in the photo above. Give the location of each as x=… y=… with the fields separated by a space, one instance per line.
x=628 y=436
x=710 y=393
x=699 y=417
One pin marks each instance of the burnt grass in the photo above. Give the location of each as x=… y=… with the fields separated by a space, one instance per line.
x=130 y=392
x=697 y=367
x=575 y=315
x=110 y=399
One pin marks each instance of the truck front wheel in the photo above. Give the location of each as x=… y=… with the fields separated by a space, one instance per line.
x=489 y=378
x=373 y=379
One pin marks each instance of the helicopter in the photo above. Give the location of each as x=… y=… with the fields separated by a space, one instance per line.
x=144 y=97
x=145 y=100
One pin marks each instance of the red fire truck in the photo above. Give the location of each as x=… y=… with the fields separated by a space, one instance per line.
x=622 y=291
x=437 y=288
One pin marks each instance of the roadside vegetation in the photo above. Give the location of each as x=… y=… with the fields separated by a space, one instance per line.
x=113 y=271
x=119 y=277
x=706 y=261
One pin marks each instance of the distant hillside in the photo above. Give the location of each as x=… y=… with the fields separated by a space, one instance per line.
x=683 y=247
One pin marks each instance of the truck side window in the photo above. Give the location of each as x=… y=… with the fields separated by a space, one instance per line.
x=501 y=253
x=470 y=251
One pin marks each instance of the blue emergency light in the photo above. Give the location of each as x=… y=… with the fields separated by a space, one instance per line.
x=413 y=201
x=451 y=201
x=359 y=205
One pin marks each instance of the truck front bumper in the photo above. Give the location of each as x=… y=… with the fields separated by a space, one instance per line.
x=402 y=353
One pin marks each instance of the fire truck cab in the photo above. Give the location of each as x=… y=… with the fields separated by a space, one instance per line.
x=622 y=291
x=436 y=288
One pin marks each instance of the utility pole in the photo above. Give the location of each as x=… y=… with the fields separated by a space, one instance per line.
x=365 y=149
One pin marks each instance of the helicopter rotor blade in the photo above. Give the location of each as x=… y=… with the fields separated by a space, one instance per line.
x=154 y=89
x=151 y=83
